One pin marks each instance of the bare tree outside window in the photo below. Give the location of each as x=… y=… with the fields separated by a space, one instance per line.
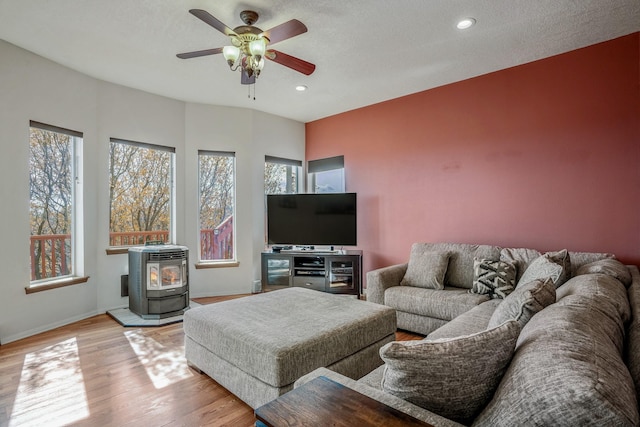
x=280 y=179
x=216 y=172
x=51 y=177
x=140 y=193
x=281 y=175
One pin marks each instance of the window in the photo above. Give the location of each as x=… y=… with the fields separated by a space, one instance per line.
x=216 y=176
x=141 y=193
x=55 y=208
x=327 y=175
x=281 y=175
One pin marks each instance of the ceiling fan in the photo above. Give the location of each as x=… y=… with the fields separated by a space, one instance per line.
x=249 y=45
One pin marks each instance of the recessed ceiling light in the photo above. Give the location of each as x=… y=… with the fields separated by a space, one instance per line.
x=466 y=23
x=301 y=88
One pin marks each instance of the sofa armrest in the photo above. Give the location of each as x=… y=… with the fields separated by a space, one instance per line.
x=380 y=396
x=382 y=279
x=632 y=345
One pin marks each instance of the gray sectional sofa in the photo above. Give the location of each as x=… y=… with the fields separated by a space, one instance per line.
x=515 y=337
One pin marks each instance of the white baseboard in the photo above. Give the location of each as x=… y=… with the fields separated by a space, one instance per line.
x=38 y=330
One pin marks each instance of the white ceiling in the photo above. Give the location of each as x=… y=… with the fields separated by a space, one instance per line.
x=365 y=51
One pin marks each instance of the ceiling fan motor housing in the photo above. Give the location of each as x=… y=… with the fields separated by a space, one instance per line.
x=249 y=17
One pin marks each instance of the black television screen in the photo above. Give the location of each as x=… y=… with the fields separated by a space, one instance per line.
x=312 y=219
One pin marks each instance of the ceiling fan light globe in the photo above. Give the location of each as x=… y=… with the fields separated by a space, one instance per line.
x=231 y=54
x=258 y=47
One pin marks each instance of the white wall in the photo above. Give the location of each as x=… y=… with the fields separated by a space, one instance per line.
x=33 y=88
x=251 y=135
x=137 y=116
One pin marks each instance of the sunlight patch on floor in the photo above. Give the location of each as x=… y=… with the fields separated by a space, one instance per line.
x=51 y=390
x=164 y=365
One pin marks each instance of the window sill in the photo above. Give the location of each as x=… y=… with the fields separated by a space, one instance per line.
x=54 y=284
x=117 y=251
x=216 y=264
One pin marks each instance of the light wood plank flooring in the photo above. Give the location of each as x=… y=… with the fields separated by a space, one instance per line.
x=97 y=373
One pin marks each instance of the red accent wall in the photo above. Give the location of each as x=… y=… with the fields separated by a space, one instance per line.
x=545 y=155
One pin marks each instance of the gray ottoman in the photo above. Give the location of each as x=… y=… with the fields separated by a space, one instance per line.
x=258 y=346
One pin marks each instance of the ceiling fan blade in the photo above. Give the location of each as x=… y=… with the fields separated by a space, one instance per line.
x=246 y=80
x=198 y=53
x=211 y=20
x=285 y=31
x=292 y=62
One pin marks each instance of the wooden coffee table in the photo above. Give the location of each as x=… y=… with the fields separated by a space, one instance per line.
x=326 y=402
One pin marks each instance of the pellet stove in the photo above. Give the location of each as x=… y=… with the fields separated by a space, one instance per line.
x=158 y=280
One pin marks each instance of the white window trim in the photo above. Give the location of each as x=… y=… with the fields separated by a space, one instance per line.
x=77 y=274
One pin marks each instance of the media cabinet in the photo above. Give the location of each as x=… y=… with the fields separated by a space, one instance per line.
x=334 y=272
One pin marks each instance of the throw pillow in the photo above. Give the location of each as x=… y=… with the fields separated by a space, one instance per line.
x=552 y=265
x=524 y=302
x=494 y=278
x=563 y=259
x=426 y=269
x=454 y=378
x=520 y=257
x=609 y=266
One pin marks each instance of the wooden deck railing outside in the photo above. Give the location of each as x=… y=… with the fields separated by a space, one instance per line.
x=50 y=256
x=51 y=253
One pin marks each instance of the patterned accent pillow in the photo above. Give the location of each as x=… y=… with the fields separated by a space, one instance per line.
x=524 y=302
x=609 y=266
x=454 y=378
x=426 y=269
x=553 y=265
x=494 y=278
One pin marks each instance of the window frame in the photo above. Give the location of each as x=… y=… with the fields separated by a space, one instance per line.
x=226 y=262
x=171 y=237
x=76 y=274
x=289 y=163
x=329 y=164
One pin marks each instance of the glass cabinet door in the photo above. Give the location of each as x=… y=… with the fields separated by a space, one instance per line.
x=278 y=271
x=341 y=275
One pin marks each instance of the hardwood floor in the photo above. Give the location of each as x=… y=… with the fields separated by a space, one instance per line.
x=97 y=373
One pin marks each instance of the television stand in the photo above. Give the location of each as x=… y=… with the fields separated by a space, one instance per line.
x=338 y=272
x=312 y=252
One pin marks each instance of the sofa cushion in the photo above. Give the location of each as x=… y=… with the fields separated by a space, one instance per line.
x=578 y=259
x=567 y=369
x=520 y=257
x=524 y=302
x=443 y=376
x=471 y=322
x=553 y=265
x=602 y=287
x=494 y=278
x=426 y=268
x=374 y=378
x=460 y=269
x=441 y=304
x=609 y=266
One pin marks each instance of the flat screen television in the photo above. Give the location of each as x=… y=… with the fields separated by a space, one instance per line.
x=321 y=219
